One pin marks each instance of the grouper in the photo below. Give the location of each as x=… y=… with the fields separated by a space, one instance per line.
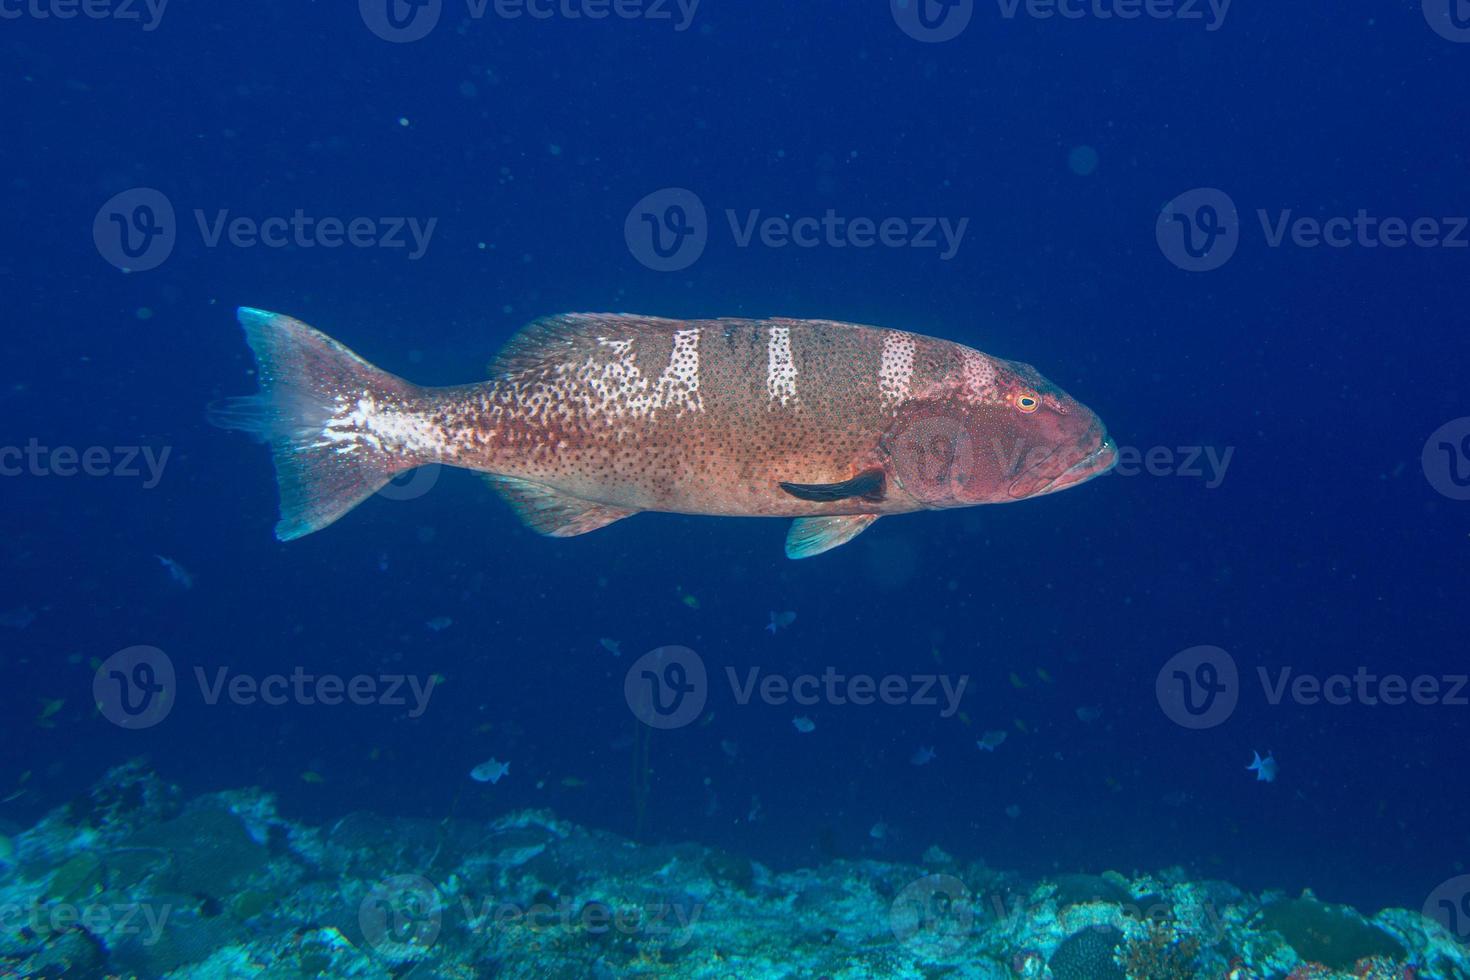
x=589 y=418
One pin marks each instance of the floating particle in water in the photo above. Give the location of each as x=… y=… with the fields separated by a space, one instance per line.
x=1082 y=160
x=991 y=740
x=18 y=618
x=923 y=756
x=180 y=575
x=1013 y=811
x=439 y=623
x=1087 y=714
x=779 y=621
x=489 y=771
x=804 y=724
x=878 y=831
x=612 y=646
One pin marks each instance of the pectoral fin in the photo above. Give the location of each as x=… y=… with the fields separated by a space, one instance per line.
x=554 y=514
x=813 y=535
x=868 y=485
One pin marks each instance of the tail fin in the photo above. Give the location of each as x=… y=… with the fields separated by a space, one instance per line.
x=335 y=424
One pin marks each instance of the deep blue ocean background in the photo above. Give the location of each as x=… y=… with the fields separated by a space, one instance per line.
x=1324 y=548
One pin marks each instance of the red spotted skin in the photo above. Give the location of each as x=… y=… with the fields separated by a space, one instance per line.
x=711 y=416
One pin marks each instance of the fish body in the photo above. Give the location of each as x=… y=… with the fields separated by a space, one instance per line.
x=1265 y=769
x=589 y=418
x=924 y=755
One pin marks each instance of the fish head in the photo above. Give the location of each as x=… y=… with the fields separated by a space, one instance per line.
x=994 y=431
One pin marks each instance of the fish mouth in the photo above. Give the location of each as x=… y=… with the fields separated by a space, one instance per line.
x=1065 y=468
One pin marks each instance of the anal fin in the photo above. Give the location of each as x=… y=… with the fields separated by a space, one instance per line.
x=813 y=535
x=554 y=514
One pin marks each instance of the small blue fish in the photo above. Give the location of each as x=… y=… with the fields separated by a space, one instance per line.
x=614 y=647
x=779 y=621
x=489 y=771
x=804 y=724
x=923 y=756
x=1265 y=769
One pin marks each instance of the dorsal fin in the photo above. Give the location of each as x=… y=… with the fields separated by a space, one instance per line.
x=558 y=338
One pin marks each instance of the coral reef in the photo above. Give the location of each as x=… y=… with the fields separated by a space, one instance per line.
x=135 y=882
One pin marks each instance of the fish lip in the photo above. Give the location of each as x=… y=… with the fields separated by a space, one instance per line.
x=1097 y=462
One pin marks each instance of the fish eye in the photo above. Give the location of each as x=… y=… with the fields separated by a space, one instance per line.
x=1027 y=403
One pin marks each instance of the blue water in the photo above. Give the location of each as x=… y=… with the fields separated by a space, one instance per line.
x=1325 y=547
